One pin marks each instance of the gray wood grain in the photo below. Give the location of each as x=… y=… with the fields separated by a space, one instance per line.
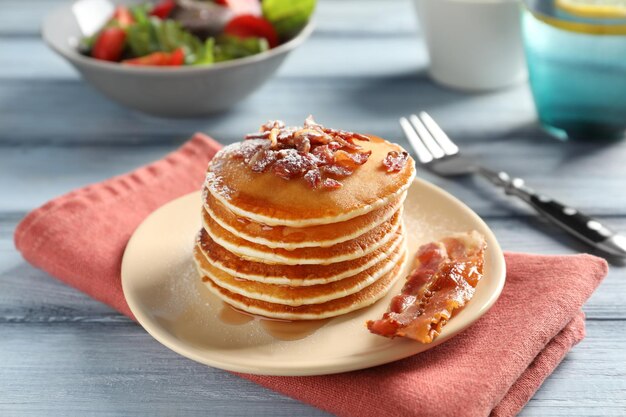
x=371 y=104
x=128 y=373
x=572 y=173
x=64 y=354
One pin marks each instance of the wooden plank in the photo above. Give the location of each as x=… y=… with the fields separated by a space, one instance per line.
x=69 y=112
x=358 y=17
x=30 y=58
x=87 y=368
x=42 y=172
x=119 y=370
x=591 y=381
x=31 y=296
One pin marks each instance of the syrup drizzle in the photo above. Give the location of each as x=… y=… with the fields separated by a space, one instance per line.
x=230 y=315
x=278 y=329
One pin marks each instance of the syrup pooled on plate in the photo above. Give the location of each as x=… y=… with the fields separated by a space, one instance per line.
x=443 y=281
x=278 y=329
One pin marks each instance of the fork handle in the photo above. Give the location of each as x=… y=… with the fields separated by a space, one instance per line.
x=569 y=219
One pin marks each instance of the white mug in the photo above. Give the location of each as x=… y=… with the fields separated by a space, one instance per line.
x=474 y=45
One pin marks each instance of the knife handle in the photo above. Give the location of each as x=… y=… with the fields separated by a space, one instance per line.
x=577 y=224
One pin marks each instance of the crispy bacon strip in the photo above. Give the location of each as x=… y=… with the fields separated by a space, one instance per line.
x=444 y=280
x=316 y=153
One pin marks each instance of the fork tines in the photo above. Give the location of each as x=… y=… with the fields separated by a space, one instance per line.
x=426 y=137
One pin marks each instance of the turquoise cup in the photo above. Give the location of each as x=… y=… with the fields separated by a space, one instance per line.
x=576 y=55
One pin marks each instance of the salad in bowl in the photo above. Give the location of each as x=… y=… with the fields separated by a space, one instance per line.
x=195 y=32
x=183 y=58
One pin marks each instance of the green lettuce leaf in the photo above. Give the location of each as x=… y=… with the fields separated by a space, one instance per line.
x=141 y=13
x=288 y=16
x=231 y=47
x=154 y=35
x=208 y=56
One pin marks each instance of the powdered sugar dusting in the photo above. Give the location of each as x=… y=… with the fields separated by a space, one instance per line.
x=319 y=155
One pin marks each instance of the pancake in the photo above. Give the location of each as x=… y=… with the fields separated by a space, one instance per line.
x=266 y=198
x=340 y=252
x=292 y=275
x=290 y=237
x=363 y=298
x=296 y=296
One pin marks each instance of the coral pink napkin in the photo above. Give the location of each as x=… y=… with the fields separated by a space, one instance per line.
x=493 y=368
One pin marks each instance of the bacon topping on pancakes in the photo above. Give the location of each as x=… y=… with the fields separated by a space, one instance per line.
x=319 y=155
x=444 y=280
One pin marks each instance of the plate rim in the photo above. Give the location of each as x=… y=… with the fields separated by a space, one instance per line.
x=331 y=365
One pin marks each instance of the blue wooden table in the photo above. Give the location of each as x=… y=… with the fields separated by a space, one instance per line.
x=63 y=354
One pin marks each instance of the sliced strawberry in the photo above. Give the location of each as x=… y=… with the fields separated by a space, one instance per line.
x=110 y=44
x=178 y=57
x=163 y=9
x=153 y=59
x=123 y=16
x=159 y=59
x=247 y=26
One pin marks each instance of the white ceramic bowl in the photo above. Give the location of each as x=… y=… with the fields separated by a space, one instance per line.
x=170 y=92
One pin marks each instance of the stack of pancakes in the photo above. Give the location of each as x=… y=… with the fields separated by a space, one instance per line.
x=282 y=249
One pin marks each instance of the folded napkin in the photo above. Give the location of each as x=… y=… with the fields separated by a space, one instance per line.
x=494 y=367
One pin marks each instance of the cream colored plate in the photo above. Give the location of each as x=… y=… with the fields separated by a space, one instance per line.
x=164 y=292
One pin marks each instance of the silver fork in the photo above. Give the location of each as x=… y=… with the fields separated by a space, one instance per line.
x=439 y=154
